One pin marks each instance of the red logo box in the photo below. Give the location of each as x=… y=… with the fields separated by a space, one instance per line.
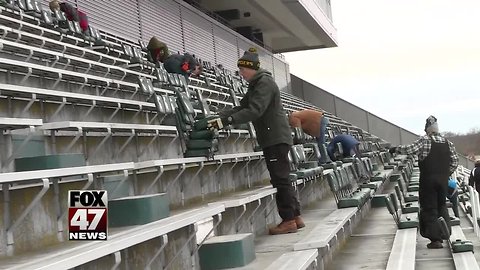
x=87 y=215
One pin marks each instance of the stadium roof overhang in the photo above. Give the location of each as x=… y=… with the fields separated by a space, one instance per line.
x=285 y=25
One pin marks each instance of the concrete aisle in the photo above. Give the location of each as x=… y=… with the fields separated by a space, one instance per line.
x=370 y=244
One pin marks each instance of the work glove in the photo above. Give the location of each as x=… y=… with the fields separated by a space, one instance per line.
x=220 y=123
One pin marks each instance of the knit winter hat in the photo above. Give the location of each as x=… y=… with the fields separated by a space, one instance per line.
x=249 y=59
x=54 y=5
x=431 y=125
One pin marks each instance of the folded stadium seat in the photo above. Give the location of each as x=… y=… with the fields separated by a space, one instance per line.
x=10 y=4
x=404 y=221
x=47 y=20
x=345 y=191
x=146 y=86
x=32 y=7
x=94 y=37
x=128 y=54
x=198 y=139
x=305 y=169
x=74 y=29
x=362 y=182
x=316 y=151
x=163 y=103
x=298 y=136
x=21 y=4
x=60 y=19
x=407 y=196
x=202 y=105
x=407 y=207
x=171 y=79
x=142 y=45
x=137 y=54
x=410 y=187
x=301 y=138
x=161 y=75
x=292 y=176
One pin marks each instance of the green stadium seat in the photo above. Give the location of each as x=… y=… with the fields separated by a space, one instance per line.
x=407 y=207
x=404 y=221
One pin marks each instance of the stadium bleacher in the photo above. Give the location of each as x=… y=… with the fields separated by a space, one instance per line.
x=64 y=92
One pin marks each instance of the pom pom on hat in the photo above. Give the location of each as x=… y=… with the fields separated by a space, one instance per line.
x=249 y=59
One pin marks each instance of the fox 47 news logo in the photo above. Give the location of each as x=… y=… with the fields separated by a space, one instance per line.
x=87 y=215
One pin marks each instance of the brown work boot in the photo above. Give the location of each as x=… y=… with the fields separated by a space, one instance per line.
x=286 y=226
x=299 y=222
x=435 y=245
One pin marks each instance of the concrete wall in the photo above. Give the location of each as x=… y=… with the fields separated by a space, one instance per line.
x=356 y=115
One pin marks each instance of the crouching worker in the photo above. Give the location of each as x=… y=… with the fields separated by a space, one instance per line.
x=349 y=149
x=313 y=123
x=262 y=105
x=72 y=13
x=185 y=64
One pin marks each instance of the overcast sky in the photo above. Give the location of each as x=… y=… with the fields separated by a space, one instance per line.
x=403 y=60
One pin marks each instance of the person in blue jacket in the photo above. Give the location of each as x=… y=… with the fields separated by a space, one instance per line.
x=350 y=149
x=349 y=146
x=452 y=195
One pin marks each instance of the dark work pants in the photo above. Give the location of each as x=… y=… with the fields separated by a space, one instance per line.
x=276 y=157
x=432 y=194
x=454 y=200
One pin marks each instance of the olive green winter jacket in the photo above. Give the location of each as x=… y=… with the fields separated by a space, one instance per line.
x=262 y=105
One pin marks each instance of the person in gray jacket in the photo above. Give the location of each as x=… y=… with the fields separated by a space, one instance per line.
x=262 y=105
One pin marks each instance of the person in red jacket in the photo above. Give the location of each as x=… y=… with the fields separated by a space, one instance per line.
x=71 y=12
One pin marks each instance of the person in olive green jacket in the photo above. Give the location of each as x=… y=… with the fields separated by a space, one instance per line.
x=262 y=105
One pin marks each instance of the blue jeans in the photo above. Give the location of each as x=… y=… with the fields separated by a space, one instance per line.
x=321 y=139
x=323 y=128
x=454 y=200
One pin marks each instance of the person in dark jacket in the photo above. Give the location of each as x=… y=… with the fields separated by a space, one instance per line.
x=185 y=64
x=262 y=105
x=474 y=179
x=349 y=147
x=72 y=13
x=437 y=160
